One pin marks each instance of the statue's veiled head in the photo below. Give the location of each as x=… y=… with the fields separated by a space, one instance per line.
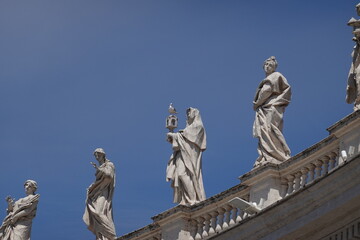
x=191 y=113
x=100 y=154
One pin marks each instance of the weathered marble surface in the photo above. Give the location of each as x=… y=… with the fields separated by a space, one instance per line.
x=17 y=224
x=271 y=98
x=98 y=214
x=185 y=164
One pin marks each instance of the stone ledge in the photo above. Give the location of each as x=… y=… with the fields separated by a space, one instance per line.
x=180 y=210
x=294 y=159
x=257 y=171
x=346 y=121
x=187 y=209
x=343 y=122
x=285 y=208
x=309 y=151
x=147 y=229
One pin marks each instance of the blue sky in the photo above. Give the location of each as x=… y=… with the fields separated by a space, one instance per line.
x=77 y=75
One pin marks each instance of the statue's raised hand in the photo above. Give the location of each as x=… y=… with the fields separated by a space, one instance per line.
x=93 y=164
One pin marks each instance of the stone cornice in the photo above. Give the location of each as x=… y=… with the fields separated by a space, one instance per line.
x=345 y=124
x=140 y=232
x=207 y=202
x=288 y=210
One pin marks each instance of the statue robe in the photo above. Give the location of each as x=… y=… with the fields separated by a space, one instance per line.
x=185 y=163
x=271 y=98
x=21 y=229
x=98 y=214
x=353 y=84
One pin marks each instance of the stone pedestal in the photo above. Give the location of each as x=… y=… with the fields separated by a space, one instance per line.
x=175 y=223
x=347 y=131
x=179 y=229
x=265 y=185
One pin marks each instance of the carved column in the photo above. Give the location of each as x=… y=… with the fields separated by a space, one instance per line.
x=220 y=221
x=213 y=222
x=226 y=223
x=297 y=180
x=200 y=225
x=193 y=229
x=233 y=216
x=304 y=172
x=284 y=187
x=206 y=225
x=325 y=160
x=240 y=216
x=332 y=160
x=318 y=167
x=311 y=168
x=290 y=179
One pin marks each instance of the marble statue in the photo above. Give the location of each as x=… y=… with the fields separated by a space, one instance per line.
x=20 y=213
x=184 y=166
x=353 y=82
x=98 y=214
x=271 y=98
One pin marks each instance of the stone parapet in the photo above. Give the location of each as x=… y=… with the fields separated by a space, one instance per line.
x=151 y=231
x=290 y=195
x=194 y=222
x=325 y=207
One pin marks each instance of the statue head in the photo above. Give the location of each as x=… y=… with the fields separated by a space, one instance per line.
x=192 y=114
x=30 y=186
x=356 y=33
x=100 y=154
x=270 y=65
x=358 y=9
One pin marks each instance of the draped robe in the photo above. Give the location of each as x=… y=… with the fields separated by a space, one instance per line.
x=21 y=229
x=185 y=163
x=271 y=98
x=353 y=84
x=98 y=214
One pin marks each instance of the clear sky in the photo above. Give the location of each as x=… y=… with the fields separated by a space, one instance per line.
x=80 y=74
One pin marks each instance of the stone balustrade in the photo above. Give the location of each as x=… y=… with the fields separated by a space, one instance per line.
x=270 y=183
x=200 y=221
x=215 y=214
x=310 y=169
x=266 y=186
x=216 y=219
x=323 y=157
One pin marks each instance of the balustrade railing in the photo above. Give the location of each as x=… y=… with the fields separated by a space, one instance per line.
x=215 y=220
x=216 y=214
x=307 y=171
x=204 y=219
